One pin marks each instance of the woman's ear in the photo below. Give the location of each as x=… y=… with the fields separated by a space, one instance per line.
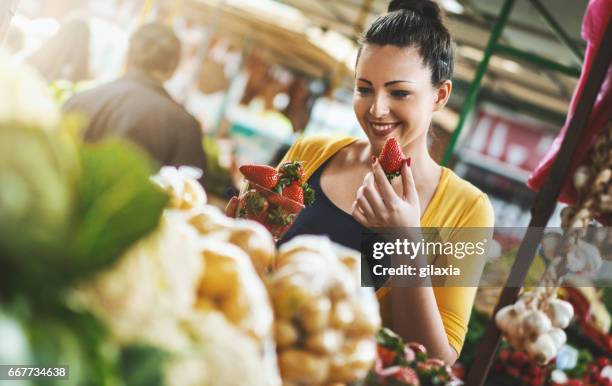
x=443 y=92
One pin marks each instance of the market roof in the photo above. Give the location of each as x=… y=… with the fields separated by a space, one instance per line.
x=278 y=33
x=470 y=22
x=535 y=70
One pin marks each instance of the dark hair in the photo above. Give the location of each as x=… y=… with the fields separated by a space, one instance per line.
x=415 y=23
x=154 y=47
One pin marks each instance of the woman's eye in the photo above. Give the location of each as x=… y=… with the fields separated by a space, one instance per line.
x=363 y=90
x=400 y=93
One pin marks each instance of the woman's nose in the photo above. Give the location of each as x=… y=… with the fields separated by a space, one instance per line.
x=379 y=107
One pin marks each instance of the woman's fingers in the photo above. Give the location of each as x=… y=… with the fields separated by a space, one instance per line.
x=232 y=205
x=358 y=215
x=409 y=187
x=384 y=186
x=364 y=204
x=373 y=196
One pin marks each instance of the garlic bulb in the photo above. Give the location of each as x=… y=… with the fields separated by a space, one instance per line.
x=536 y=323
x=558 y=336
x=185 y=191
x=583 y=257
x=560 y=312
x=603 y=178
x=542 y=350
x=508 y=319
x=550 y=244
x=581 y=177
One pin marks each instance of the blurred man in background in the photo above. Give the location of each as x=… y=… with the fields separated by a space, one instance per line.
x=138 y=107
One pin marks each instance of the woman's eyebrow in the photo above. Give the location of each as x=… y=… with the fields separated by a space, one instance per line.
x=397 y=81
x=389 y=83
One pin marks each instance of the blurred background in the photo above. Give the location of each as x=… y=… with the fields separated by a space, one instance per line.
x=256 y=74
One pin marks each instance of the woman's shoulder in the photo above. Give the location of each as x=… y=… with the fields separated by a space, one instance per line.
x=471 y=205
x=313 y=150
x=461 y=186
x=321 y=143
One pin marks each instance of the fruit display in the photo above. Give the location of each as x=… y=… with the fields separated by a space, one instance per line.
x=274 y=197
x=325 y=323
x=589 y=371
x=407 y=364
x=391 y=158
x=536 y=323
x=519 y=366
x=230 y=249
x=199 y=274
x=575 y=368
x=188 y=195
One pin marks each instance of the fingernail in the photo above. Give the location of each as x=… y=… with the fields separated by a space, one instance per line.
x=407 y=160
x=373 y=159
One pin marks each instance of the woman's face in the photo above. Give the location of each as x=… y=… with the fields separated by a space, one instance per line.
x=394 y=96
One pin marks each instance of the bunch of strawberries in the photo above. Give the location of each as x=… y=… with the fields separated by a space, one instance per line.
x=275 y=196
x=400 y=364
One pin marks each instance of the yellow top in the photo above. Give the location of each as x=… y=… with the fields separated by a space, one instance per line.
x=456 y=203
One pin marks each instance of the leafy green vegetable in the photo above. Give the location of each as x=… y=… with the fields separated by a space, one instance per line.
x=68 y=210
x=117 y=204
x=142 y=366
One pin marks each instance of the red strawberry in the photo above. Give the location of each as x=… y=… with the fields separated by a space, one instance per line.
x=386 y=355
x=263 y=175
x=535 y=371
x=293 y=170
x=294 y=192
x=458 y=370
x=292 y=198
x=285 y=203
x=514 y=372
x=519 y=358
x=504 y=355
x=391 y=158
x=537 y=380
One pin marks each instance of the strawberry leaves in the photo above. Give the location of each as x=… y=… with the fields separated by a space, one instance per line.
x=292 y=170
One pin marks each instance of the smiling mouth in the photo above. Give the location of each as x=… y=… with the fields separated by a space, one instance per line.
x=382 y=129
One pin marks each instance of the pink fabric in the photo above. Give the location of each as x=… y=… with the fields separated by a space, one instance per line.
x=594 y=24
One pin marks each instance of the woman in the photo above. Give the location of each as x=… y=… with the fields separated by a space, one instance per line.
x=402 y=77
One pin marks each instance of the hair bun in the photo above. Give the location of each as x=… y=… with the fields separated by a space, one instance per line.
x=427 y=8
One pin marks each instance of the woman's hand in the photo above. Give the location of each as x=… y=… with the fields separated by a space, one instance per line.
x=232 y=205
x=377 y=205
